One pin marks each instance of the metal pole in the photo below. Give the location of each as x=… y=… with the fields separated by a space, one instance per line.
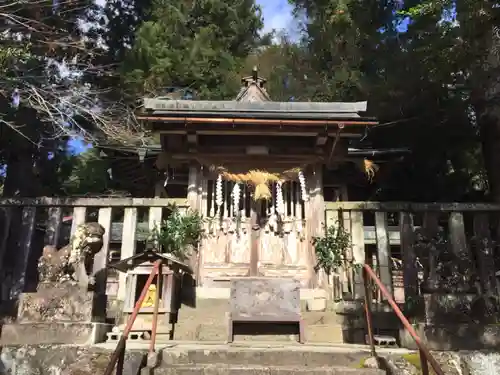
x=368 y=314
x=424 y=365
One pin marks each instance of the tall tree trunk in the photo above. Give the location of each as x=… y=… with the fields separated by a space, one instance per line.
x=20 y=179
x=19 y=182
x=489 y=126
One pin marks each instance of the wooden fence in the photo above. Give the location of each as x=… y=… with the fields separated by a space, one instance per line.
x=386 y=235
x=26 y=225
x=419 y=245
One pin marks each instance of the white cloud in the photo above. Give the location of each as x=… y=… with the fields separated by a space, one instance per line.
x=277 y=14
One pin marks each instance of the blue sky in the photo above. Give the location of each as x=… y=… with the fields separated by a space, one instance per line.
x=277 y=14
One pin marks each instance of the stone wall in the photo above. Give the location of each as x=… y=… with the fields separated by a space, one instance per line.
x=62 y=360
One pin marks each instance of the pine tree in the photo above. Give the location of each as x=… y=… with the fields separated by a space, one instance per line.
x=198 y=45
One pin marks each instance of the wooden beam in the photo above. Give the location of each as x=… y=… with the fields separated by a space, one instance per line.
x=266 y=132
x=81 y=204
x=413 y=207
x=245 y=157
x=252 y=121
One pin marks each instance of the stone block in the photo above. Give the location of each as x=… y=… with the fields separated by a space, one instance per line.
x=57 y=303
x=53 y=333
x=454 y=336
x=317 y=304
x=265 y=299
x=153 y=359
x=325 y=333
x=144 y=322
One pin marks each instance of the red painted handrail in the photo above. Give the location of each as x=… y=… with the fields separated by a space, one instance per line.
x=425 y=354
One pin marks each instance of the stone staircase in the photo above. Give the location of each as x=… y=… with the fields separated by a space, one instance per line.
x=263 y=358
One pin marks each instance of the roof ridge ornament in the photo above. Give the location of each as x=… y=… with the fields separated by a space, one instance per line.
x=254 y=79
x=253 y=89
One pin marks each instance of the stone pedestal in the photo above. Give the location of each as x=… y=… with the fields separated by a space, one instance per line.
x=58 y=313
x=454 y=322
x=446 y=308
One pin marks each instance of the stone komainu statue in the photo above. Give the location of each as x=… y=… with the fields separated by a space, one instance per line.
x=71 y=262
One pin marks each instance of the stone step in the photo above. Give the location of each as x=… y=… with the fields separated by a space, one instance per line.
x=265 y=355
x=222 y=369
x=318 y=333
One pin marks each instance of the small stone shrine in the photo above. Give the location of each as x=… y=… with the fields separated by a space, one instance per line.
x=63 y=310
x=168 y=285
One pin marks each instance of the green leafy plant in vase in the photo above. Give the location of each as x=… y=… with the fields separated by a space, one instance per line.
x=179 y=234
x=331 y=248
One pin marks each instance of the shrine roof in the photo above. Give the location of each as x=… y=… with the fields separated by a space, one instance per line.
x=256 y=110
x=349 y=110
x=253 y=103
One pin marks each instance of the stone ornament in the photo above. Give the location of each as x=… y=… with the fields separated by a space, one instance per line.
x=71 y=262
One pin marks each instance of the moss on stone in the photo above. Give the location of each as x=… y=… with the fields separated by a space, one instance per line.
x=414 y=360
x=361 y=363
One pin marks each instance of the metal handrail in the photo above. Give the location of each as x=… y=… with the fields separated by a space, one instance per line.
x=425 y=354
x=119 y=352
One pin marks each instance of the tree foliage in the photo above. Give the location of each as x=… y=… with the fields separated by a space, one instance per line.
x=427 y=67
x=198 y=45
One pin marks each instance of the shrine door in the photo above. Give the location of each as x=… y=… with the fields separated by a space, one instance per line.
x=276 y=246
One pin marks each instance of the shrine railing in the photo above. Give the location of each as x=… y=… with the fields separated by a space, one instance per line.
x=26 y=225
x=417 y=248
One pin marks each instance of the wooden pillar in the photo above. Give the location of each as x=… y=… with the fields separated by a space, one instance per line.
x=358 y=251
x=54 y=222
x=315 y=217
x=24 y=245
x=193 y=200
x=335 y=284
x=79 y=217
x=205 y=213
x=193 y=186
x=128 y=247
x=484 y=254
x=383 y=249
x=255 y=237
x=431 y=229
x=408 y=255
x=457 y=234
x=99 y=268
x=155 y=217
